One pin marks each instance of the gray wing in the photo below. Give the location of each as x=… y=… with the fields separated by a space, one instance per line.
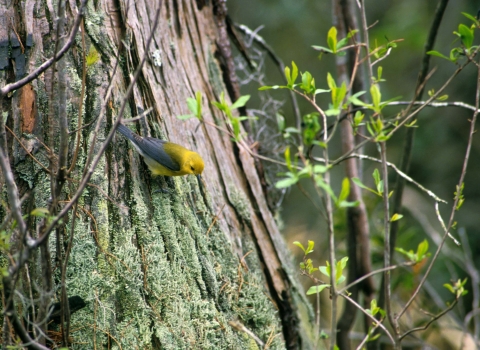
x=150 y=147
x=153 y=148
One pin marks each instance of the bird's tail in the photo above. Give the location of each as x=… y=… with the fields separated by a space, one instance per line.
x=122 y=129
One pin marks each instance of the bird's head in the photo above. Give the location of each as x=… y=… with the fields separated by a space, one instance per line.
x=194 y=164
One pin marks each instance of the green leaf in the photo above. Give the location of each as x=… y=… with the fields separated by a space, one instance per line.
x=346 y=204
x=287 y=158
x=466 y=35
x=332 y=112
x=322 y=49
x=192 y=105
x=379 y=73
x=340 y=266
x=300 y=245
x=396 y=217
x=422 y=249
x=409 y=254
x=358 y=118
x=345 y=190
x=449 y=287
x=281 y=122
x=321 y=91
x=198 y=96
x=376 y=97
x=274 y=87
x=294 y=72
x=317 y=289
x=376 y=177
x=322 y=184
x=185 y=116
x=325 y=270
x=292 y=130
x=332 y=39
x=438 y=54
x=359 y=183
x=286 y=182
x=310 y=246
x=242 y=100
x=311 y=127
x=320 y=169
x=331 y=82
x=308 y=83
x=288 y=75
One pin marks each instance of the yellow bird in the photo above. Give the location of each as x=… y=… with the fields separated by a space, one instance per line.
x=163 y=157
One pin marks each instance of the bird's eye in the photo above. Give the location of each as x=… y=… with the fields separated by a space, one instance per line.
x=192 y=168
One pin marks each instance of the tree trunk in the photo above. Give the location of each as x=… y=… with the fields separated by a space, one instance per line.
x=183 y=269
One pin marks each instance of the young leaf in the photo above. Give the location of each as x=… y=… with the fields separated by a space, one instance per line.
x=422 y=249
x=359 y=183
x=286 y=182
x=396 y=217
x=317 y=289
x=438 y=54
x=242 y=100
x=345 y=190
x=310 y=246
x=376 y=97
x=192 y=105
x=300 y=245
x=466 y=35
x=332 y=39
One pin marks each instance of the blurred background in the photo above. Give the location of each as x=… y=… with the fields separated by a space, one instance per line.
x=290 y=28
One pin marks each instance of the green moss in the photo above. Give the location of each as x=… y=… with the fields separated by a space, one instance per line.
x=240 y=203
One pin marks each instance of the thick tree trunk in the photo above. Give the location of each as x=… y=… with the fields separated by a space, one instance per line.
x=179 y=270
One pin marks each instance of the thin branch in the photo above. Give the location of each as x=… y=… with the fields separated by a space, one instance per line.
x=107 y=141
x=433 y=319
x=457 y=198
x=434 y=104
x=402 y=174
x=36 y=73
x=281 y=66
x=373 y=319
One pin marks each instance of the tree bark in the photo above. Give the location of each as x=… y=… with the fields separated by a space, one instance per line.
x=179 y=270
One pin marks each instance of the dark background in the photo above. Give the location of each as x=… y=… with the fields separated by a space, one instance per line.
x=291 y=28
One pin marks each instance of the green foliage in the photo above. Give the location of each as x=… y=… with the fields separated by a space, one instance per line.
x=311 y=128
x=195 y=106
x=335 y=45
x=338 y=94
x=458 y=288
x=235 y=122
x=466 y=35
x=431 y=92
x=422 y=252
x=307 y=250
x=375 y=309
x=317 y=289
x=339 y=268
x=293 y=175
x=357 y=121
x=378 y=184
x=377 y=105
x=459 y=196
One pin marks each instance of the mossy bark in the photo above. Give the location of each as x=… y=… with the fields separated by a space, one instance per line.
x=175 y=270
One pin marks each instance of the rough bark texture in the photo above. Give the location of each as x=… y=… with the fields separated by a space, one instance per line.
x=158 y=270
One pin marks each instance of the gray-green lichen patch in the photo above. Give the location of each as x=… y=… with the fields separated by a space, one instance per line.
x=240 y=202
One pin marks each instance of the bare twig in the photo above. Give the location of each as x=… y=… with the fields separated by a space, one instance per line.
x=35 y=74
x=457 y=198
